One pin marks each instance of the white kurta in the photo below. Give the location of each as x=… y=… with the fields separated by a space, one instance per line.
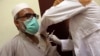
x=22 y=46
x=84 y=24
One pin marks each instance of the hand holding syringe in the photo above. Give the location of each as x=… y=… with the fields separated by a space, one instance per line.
x=54 y=38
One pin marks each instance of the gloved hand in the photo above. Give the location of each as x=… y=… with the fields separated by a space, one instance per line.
x=55 y=39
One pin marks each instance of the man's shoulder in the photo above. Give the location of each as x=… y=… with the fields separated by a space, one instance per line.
x=9 y=47
x=11 y=43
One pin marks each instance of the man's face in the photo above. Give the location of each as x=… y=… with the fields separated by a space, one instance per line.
x=22 y=16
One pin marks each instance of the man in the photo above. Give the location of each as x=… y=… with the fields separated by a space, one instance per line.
x=28 y=42
x=84 y=24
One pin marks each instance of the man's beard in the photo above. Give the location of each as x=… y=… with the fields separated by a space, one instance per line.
x=22 y=27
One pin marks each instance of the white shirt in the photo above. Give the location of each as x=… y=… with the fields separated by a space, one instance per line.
x=21 y=45
x=83 y=20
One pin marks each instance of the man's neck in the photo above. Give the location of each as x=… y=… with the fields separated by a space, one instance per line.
x=33 y=38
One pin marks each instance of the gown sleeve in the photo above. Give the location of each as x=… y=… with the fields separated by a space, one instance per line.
x=63 y=11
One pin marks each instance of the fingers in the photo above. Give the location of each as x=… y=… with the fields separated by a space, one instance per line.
x=84 y=2
x=56 y=2
x=55 y=39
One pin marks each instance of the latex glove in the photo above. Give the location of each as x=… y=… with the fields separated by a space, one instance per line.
x=55 y=39
x=66 y=44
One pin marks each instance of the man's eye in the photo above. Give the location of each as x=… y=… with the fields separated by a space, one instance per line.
x=34 y=15
x=28 y=15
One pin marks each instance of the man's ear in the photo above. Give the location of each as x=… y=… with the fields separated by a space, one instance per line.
x=16 y=23
x=84 y=2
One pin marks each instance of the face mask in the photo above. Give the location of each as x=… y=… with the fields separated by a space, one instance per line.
x=31 y=25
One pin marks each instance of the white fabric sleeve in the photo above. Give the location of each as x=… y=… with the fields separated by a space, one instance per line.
x=67 y=45
x=64 y=10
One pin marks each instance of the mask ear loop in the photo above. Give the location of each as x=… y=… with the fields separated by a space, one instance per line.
x=22 y=26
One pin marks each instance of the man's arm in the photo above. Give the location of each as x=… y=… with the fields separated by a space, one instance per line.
x=7 y=50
